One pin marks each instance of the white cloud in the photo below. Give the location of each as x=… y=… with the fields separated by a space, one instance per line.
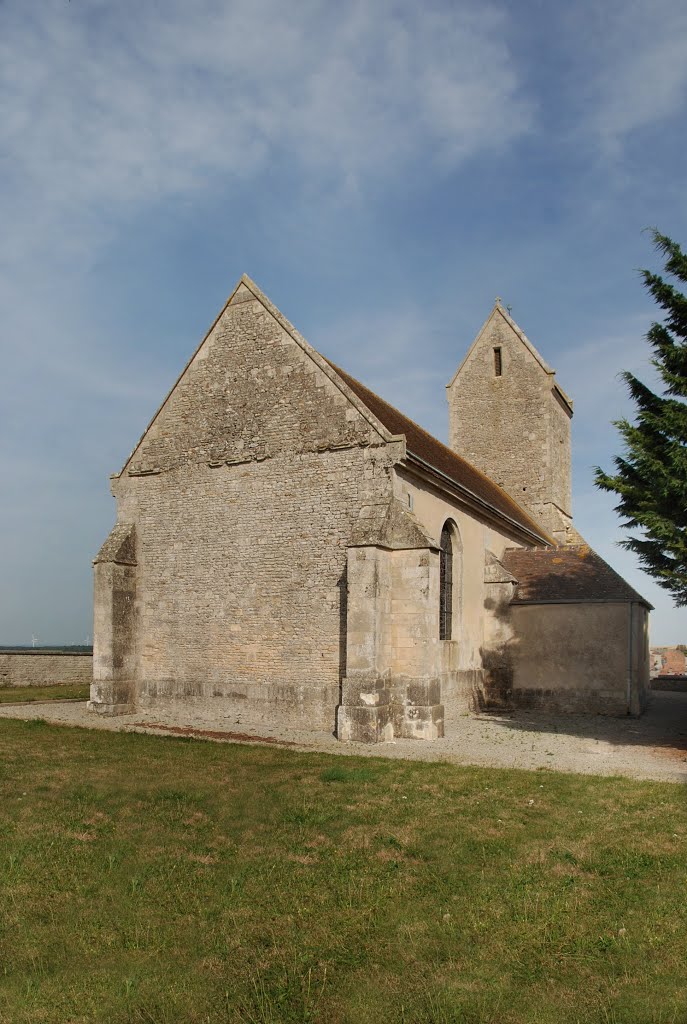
x=105 y=103
x=396 y=353
x=633 y=72
x=590 y=371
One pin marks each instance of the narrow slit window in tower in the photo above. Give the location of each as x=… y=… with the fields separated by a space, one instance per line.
x=498 y=369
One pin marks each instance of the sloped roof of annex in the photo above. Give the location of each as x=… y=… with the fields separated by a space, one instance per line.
x=567 y=575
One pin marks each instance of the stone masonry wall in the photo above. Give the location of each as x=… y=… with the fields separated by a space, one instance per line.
x=44 y=669
x=468 y=663
x=242 y=583
x=244 y=495
x=559 y=458
x=249 y=394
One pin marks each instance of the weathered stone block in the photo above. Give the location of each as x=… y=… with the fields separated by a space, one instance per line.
x=420 y=723
x=364 y=725
x=417 y=691
x=364 y=690
x=112 y=694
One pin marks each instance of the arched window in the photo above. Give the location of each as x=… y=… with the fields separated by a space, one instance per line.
x=445 y=584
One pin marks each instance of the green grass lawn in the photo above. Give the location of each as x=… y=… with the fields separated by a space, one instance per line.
x=156 y=880
x=65 y=691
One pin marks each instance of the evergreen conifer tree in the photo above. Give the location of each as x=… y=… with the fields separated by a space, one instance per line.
x=651 y=474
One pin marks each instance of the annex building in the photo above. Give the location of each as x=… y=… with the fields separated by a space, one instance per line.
x=289 y=545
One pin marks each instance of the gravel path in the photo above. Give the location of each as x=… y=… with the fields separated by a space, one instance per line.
x=652 y=747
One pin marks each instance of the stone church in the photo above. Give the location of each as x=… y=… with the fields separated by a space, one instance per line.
x=292 y=548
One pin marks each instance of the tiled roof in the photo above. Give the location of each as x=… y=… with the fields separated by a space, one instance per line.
x=439 y=457
x=565 y=575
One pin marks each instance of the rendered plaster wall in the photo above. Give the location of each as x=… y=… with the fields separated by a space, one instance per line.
x=44 y=669
x=513 y=427
x=575 y=657
x=641 y=683
x=245 y=494
x=496 y=690
x=477 y=607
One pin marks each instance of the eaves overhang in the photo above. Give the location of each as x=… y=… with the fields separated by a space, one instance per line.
x=476 y=502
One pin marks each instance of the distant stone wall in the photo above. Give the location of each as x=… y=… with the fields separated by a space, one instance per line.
x=673 y=662
x=45 y=668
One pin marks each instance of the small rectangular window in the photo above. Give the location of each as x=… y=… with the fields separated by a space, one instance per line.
x=497 y=362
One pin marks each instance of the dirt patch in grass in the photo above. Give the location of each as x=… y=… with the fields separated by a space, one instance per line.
x=214 y=734
x=30 y=694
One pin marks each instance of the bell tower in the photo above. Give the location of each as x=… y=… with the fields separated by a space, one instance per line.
x=510 y=418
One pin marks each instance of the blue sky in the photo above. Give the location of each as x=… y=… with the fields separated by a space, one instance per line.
x=382 y=170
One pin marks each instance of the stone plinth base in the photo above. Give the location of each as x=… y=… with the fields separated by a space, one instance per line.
x=364 y=724
x=575 y=702
x=292 y=705
x=113 y=697
x=378 y=715
x=420 y=722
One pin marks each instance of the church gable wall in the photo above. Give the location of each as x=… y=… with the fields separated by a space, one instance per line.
x=250 y=393
x=245 y=494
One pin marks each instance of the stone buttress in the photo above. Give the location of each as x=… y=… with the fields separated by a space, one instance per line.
x=392 y=681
